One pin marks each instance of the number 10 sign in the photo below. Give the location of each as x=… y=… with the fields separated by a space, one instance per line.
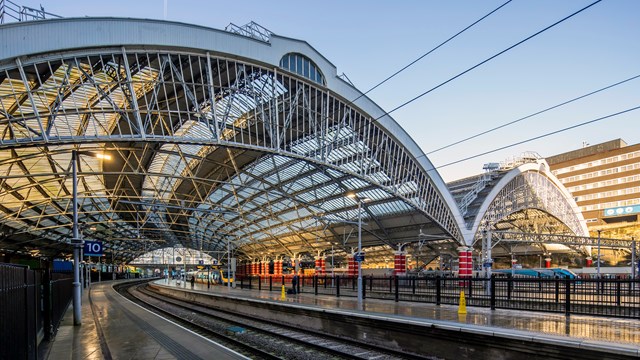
x=93 y=248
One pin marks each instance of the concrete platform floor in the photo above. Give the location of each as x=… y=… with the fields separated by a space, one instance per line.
x=130 y=332
x=605 y=331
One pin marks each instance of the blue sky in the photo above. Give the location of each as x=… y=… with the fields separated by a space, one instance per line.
x=369 y=40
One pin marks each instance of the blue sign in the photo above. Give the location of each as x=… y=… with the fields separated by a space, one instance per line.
x=93 y=248
x=622 y=210
x=62 y=266
x=359 y=257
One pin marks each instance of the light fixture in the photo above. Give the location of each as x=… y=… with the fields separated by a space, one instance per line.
x=103 y=156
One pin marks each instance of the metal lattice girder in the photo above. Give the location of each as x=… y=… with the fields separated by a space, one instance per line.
x=196 y=130
x=561 y=239
x=528 y=199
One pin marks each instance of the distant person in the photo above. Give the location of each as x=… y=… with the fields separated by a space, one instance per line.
x=193 y=281
x=294 y=283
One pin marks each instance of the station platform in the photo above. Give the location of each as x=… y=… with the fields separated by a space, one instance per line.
x=115 y=328
x=612 y=335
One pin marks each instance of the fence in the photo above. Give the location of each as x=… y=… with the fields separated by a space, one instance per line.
x=32 y=303
x=608 y=297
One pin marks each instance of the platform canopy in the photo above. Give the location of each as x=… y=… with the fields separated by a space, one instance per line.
x=238 y=138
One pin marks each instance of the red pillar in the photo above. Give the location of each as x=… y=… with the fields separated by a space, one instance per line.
x=320 y=269
x=277 y=267
x=400 y=263
x=547 y=262
x=352 y=270
x=465 y=266
x=589 y=261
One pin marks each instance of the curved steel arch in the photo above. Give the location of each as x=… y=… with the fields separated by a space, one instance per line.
x=199 y=129
x=528 y=186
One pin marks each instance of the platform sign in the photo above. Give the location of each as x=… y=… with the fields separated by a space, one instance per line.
x=359 y=257
x=200 y=262
x=93 y=248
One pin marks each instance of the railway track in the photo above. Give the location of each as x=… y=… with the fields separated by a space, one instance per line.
x=254 y=337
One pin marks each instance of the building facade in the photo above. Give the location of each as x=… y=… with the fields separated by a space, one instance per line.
x=604 y=179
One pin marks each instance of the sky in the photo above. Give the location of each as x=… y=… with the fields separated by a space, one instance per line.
x=369 y=40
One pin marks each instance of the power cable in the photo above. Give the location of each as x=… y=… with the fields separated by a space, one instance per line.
x=429 y=52
x=485 y=61
x=531 y=115
x=537 y=137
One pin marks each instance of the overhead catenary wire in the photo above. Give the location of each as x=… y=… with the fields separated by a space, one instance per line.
x=485 y=61
x=429 y=52
x=532 y=115
x=538 y=137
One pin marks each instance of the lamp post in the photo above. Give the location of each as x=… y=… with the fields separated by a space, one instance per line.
x=76 y=240
x=359 y=260
x=359 y=257
x=598 y=270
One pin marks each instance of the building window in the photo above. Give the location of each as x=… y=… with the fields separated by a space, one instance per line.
x=302 y=66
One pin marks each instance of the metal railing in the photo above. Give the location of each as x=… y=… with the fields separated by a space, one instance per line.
x=605 y=297
x=10 y=11
x=29 y=307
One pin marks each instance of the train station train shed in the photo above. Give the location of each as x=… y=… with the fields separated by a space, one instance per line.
x=146 y=134
x=181 y=135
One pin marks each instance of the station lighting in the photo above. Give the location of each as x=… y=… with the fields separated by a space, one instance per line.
x=76 y=240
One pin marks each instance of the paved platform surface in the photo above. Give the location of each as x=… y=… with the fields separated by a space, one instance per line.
x=613 y=334
x=129 y=332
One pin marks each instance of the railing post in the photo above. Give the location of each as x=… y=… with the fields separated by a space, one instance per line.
x=259 y=283
x=282 y=281
x=618 y=292
x=492 y=284
x=509 y=287
x=325 y=281
x=470 y=288
x=413 y=285
x=557 y=290
x=438 y=290
x=315 y=284
x=567 y=295
x=250 y=278
x=337 y=280
x=46 y=286
x=270 y=283
x=371 y=283
x=391 y=285
x=397 y=290
x=364 y=288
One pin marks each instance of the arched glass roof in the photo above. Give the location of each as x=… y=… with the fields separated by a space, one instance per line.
x=207 y=150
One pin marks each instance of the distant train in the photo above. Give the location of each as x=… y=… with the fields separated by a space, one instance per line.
x=215 y=276
x=547 y=273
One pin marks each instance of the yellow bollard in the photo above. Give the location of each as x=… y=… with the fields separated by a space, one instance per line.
x=462 y=307
x=284 y=294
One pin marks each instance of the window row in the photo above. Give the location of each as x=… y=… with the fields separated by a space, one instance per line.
x=609 y=182
x=605 y=161
x=608 y=194
x=610 y=205
x=605 y=172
